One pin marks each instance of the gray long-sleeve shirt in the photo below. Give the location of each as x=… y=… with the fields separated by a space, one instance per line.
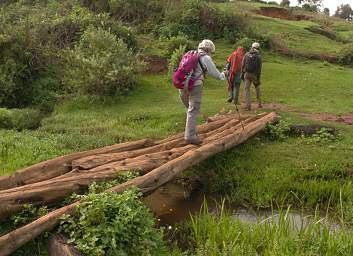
x=208 y=66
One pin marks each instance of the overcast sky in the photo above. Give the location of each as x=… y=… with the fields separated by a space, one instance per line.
x=331 y=4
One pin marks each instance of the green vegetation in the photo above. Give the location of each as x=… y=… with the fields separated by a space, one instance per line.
x=20 y=119
x=82 y=88
x=101 y=64
x=225 y=235
x=113 y=224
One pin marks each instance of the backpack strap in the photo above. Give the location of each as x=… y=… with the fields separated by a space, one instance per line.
x=201 y=65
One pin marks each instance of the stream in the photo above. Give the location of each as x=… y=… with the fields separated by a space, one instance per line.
x=171 y=204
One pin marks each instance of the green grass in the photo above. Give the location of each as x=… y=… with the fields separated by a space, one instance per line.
x=293 y=33
x=153 y=110
x=225 y=235
x=294 y=171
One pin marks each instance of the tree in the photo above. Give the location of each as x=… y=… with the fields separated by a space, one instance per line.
x=310 y=5
x=344 y=11
x=285 y=3
x=327 y=11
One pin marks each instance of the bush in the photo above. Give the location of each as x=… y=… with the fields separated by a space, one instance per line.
x=20 y=119
x=246 y=42
x=139 y=12
x=101 y=64
x=5 y=119
x=279 y=131
x=123 y=32
x=177 y=41
x=31 y=40
x=197 y=19
x=113 y=224
x=345 y=56
x=34 y=40
x=174 y=60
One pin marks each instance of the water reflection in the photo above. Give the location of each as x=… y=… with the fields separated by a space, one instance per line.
x=172 y=204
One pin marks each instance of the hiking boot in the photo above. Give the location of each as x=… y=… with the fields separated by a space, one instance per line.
x=230 y=100
x=194 y=141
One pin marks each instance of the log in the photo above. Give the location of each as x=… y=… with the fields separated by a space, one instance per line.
x=58 y=246
x=101 y=159
x=147 y=183
x=58 y=188
x=171 y=169
x=60 y=165
x=54 y=190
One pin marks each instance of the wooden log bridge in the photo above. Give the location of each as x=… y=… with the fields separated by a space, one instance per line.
x=157 y=162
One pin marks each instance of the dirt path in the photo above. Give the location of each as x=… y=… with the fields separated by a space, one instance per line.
x=345 y=119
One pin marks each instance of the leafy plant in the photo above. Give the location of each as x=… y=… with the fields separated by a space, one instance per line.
x=176 y=42
x=134 y=11
x=101 y=64
x=198 y=19
x=113 y=224
x=28 y=214
x=20 y=119
x=322 y=136
x=175 y=59
x=278 y=131
x=345 y=56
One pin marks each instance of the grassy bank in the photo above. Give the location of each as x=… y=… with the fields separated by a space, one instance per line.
x=225 y=235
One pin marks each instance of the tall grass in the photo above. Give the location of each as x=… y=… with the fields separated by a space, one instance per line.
x=224 y=235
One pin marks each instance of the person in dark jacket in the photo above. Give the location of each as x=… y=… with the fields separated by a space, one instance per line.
x=251 y=74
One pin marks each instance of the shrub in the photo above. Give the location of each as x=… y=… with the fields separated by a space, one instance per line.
x=134 y=11
x=20 y=119
x=31 y=39
x=34 y=40
x=279 y=131
x=101 y=64
x=197 y=19
x=5 y=119
x=113 y=224
x=174 y=60
x=123 y=32
x=322 y=136
x=177 y=41
x=345 y=56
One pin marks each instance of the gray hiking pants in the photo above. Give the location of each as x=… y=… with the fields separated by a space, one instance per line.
x=192 y=101
x=248 y=79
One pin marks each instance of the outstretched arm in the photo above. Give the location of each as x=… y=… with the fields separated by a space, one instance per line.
x=211 y=68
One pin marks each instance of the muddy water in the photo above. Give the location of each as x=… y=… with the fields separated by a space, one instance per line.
x=172 y=204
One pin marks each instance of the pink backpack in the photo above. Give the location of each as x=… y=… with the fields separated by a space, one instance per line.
x=187 y=66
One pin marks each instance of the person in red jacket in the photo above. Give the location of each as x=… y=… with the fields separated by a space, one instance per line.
x=234 y=64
